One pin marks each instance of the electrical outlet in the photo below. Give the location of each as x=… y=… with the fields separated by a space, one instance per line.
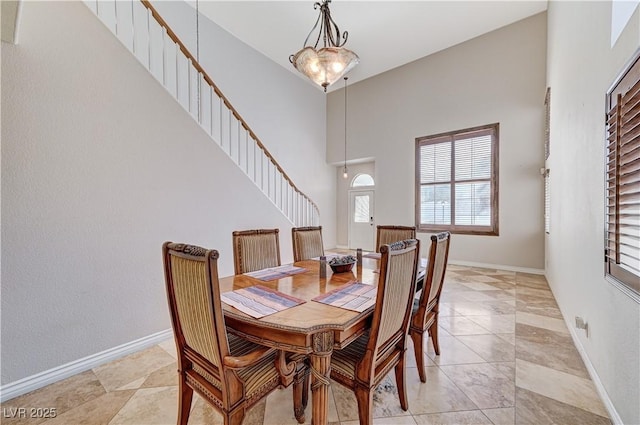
x=582 y=324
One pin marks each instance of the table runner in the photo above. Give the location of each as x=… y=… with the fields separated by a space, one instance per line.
x=352 y=296
x=273 y=273
x=258 y=301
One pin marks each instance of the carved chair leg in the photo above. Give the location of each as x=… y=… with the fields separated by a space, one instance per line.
x=418 y=349
x=433 y=331
x=234 y=418
x=301 y=392
x=364 y=396
x=185 y=397
x=401 y=382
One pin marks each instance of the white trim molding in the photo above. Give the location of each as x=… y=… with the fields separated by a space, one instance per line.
x=602 y=392
x=39 y=380
x=498 y=267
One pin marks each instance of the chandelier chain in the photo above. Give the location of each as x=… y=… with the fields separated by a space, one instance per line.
x=329 y=30
x=345 y=124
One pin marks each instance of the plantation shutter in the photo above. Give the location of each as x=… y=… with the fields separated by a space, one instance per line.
x=622 y=249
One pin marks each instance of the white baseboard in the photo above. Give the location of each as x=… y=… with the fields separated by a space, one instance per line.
x=39 y=380
x=342 y=247
x=497 y=267
x=602 y=392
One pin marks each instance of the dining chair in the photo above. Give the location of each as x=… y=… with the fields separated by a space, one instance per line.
x=255 y=250
x=391 y=234
x=307 y=242
x=229 y=372
x=361 y=365
x=425 y=310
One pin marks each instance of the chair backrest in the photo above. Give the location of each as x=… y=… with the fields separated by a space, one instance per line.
x=436 y=268
x=193 y=293
x=307 y=242
x=255 y=250
x=396 y=288
x=389 y=234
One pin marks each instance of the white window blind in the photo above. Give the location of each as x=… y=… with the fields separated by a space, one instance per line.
x=547 y=202
x=456 y=183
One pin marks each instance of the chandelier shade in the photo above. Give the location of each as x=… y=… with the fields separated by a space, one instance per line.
x=328 y=64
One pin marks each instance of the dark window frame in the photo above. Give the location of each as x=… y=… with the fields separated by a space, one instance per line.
x=621 y=173
x=452 y=136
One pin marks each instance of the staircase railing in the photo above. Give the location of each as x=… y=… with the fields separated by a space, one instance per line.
x=145 y=33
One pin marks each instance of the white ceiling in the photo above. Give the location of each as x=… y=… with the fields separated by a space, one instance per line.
x=385 y=34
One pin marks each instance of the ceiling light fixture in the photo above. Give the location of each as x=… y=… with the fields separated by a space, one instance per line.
x=326 y=65
x=344 y=171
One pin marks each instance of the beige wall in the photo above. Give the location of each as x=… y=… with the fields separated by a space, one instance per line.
x=99 y=167
x=582 y=66
x=497 y=77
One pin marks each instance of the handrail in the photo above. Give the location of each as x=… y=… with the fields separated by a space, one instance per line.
x=209 y=81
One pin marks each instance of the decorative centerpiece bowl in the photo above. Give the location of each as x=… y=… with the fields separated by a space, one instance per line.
x=342 y=264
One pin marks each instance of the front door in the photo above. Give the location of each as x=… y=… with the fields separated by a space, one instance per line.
x=361 y=224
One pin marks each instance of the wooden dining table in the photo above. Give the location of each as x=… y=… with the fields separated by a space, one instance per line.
x=311 y=328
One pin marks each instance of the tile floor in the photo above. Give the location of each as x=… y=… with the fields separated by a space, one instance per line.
x=506 y=358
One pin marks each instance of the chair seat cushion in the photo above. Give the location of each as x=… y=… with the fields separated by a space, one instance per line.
x=344 y=361
x=259 y=377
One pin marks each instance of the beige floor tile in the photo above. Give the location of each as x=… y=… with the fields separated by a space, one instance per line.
x=566 y=388
x=508 y=369
x=132 y=367
x=170 y=347
x=471 y=417
x=506 y=286
x=501 y=294
x=478 y=296
x=544 y=322
x=163 y=377
x=459 y=325
x=97 y=411
x=452 y=352
x=483 y=383
x=134 y=385
x=61 y=396
x=535 y=409
x=400 y=420
x=496 y=323
x=468 y=308
x=505 y=416
x=202 y=413
x=478 y=285
x=540 y=294
x=508 y=337
x=490 y=347
x=438 y=394
x=446 y=310
x=386 y=402
x=552 y=349
x=149 y=406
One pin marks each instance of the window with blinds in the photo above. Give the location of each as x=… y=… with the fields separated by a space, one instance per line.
x=622 y=235
x=457 y=181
